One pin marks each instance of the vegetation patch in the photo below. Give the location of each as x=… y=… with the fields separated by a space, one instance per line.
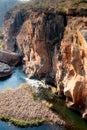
x=34 y=96
x=21 y=108
x=21 y=123
x=1 y=35
x=1 y=45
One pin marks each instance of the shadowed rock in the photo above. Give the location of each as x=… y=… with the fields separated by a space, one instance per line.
x=5 y=70
x=9 y=58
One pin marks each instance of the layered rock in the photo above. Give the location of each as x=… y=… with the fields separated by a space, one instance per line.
x=71 y=71
x=37 y=39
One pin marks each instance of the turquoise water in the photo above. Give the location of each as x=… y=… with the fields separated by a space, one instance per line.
x=14 y=80
x=7 y=126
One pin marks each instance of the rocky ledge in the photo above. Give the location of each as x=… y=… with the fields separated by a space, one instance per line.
x=5 y=70
x=9 y=57
x=7 y=61
x=21 y=107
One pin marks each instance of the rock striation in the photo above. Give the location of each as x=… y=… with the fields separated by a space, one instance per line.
x=71 y=71
x=36 y=39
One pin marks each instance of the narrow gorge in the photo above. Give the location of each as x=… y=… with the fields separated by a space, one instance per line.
x=51 y=45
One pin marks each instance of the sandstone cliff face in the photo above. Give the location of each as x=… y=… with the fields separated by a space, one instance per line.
x=38 y=34
x=48 y=53
x=36 y=40
x=71 y=74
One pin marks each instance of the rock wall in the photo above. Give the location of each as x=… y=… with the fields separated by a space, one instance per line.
x=77 y=12
x=82 y=36
x=13 y=20
x=36 y=39
x=71 y=72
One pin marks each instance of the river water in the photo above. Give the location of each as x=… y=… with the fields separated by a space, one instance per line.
x=17 y=78
x=7 y=126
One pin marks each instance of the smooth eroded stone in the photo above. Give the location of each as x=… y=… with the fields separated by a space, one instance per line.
x=5 y=70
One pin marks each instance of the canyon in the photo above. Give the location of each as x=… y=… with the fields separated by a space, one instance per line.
x=53 y=47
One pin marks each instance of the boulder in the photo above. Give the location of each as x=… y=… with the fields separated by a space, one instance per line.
x=5 y=70
x=9 y=58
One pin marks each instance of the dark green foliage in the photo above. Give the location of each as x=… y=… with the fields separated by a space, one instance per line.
x=56 y=40
x=34 y=96
x=1 y=35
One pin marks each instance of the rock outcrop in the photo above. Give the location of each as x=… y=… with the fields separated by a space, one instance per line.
x=12 y=23
x=5 y=70
x=71 y=71
x=9 y=58
x=77 y=12
x=36 y=39
x=52 y=51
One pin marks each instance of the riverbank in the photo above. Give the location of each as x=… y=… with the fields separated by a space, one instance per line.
x=20 y=107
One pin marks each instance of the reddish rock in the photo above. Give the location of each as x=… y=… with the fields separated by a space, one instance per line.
x=36 y=40
x=71 y=77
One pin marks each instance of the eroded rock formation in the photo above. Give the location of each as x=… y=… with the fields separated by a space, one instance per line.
x=71 y=71
x=36 y=40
